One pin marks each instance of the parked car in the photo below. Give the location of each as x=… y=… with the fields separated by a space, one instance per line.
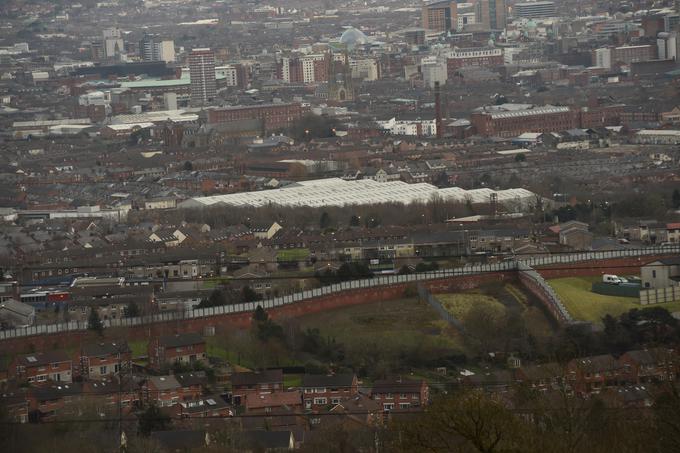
x=611 y=279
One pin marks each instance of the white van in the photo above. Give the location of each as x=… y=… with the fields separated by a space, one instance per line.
x=612 y=279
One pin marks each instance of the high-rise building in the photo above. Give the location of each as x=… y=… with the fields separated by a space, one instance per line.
x=153 y=49
x=492 y=14
x=534 y=10
x=440 y=16
x=202 y=72
x=114 y=46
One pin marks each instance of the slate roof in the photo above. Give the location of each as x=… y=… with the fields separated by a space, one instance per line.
x=322 y=380
x=252 y=378
x=182 y=339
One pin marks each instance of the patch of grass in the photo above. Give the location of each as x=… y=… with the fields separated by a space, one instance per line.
x=584 y=305
x=292 y=380
x=459 y=304
x=139 y=348
x=292 y=254
x=213 y=349
x=396 y=323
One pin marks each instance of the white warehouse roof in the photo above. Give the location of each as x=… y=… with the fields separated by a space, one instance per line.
x=338 y=192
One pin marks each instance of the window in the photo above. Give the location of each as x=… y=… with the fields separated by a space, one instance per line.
x=320 y=401
x=102 y=370
x=41 y=378
x=404 y=405
x=654 y=274
x=388 y=406
x=335 y=400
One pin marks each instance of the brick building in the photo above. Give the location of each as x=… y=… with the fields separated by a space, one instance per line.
x=650 y=365
x=245 y=385
x=464 y=58
x=511 y=123
x=400 y=394
x=592 y=374
x=321 y=390
x=185 y=348
x=42 y=366
x=440 y=16
x=103 y=359
x=273 y=116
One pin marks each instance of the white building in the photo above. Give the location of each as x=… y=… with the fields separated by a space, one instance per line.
x=365 y=69
x=434 y=70
x=417 y=128
x=667 y=45
x=229 y=73
x=114 y=46
x=603 y=58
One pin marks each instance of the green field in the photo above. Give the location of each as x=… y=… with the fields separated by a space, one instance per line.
x=459 y=304
x=395 y=324
x=139 y=348
x=292 y=254
x=585 y=305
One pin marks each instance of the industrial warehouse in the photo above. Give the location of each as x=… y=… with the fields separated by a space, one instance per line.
x=338 y=192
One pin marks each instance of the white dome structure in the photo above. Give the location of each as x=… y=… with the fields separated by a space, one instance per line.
x=353 y=37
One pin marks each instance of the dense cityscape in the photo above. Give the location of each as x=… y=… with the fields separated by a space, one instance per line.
x=363 y=226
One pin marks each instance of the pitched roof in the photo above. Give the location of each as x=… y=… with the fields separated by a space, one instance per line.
x=181 y=339
x=191 y=379
x=164 y=382
x=43 y=358
x=650 y=356
x=604 y=362
x=103 y=349
x=323 y=380
x=293 y=398
x=261 y=377
x=397 y=386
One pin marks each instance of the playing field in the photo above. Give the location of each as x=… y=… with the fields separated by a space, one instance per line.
x=584 y=305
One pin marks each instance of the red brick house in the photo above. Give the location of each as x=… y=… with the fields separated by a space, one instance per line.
x=543 y=377
x=592 y=374
x=166 y=391
x=255 y=383
x=649 y=365
x=16 y=402
x=108 y=395
x=400 y=394
x=42 y=366
x=321 y=390
x=48 y=401
x=104 y=359
x=208 y=406
x=185 y=348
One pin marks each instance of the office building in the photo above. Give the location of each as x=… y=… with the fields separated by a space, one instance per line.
x=202 y=71
x=151 y=48
x=464 y=58
x=440 y=16
x=492 y=14
x=534 y=10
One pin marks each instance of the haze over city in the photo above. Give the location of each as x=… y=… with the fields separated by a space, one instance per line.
x=356 y=226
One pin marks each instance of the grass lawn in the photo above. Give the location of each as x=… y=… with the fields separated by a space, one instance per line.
x=292 y=380
x=139 y=348
x=459 y=304
x=396 y=323
x=213 y=349
x=292 y=254
x=585 y=305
